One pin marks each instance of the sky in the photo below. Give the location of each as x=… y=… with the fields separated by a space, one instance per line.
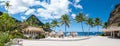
x=48 y=10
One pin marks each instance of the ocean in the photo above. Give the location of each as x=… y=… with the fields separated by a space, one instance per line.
x=87 y=33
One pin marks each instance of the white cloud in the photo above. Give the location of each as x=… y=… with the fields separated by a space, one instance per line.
x=15 y=10
x=23 y=17
x=54 y=9
x=17 y=6
x=76 y=5
x=4 y=0
x=87 y=15
x=30 y=11
x=73 y=15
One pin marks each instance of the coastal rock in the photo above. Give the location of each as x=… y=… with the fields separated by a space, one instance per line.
x=114 y=18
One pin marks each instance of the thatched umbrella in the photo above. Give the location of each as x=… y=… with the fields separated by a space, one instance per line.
x=60 y=34
x=52 y=34
x=46 y=34
x=33 y=30
x=74 y=34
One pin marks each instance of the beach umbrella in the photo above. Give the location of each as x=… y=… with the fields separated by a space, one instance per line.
x=60 y=34
x=74 y=34
x=52 y=34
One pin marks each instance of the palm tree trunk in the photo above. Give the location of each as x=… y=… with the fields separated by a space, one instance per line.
x=82 y=27
x=89 y=31
x=65 y=29
x=55 y=29
x=98 y=28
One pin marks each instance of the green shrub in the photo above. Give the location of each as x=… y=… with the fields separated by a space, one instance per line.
x=2 y=44
x=16 y=34
x=4 y=38
x=101 y=34
x=40 y=36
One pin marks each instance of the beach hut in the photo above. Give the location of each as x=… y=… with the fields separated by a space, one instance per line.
x=32 y=31
x=113 y=24
x=112 y=31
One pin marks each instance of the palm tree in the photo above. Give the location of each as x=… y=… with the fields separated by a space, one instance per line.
x=97 y=23
x=65 y=20
x=7 y=5
x=90 y=22
x=105 y=25
x=80 y=18
x=47 y=25
x=54 y=24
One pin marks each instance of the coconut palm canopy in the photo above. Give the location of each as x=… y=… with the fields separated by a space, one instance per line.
x=65 y=19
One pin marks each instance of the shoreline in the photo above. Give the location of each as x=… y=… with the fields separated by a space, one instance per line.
x=93 y=41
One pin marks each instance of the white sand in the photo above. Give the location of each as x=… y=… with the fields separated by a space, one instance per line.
x=66 y=38
x=93 y=41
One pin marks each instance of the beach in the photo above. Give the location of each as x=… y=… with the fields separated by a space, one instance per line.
x=59 y=23
x=93 y=41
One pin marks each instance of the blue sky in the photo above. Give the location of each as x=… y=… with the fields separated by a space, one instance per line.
x=47 y=10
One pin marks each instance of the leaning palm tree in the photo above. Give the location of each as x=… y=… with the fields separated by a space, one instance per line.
x=97 y=23
x=65 y=20
x=7 y=5
x=89 y=22
x=80 y=18
x=54 y=24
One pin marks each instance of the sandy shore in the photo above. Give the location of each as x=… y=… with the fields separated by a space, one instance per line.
x=93 y=41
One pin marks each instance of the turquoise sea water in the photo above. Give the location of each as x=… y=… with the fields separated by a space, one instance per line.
x=87 y=33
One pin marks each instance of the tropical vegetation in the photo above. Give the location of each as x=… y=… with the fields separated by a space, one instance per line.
x=10 y=27
x=80 y=18
x=105 y=25
x=7 y=23
x=65 y=20
x=98 y=23
x=90 y=22
x=54 y=24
